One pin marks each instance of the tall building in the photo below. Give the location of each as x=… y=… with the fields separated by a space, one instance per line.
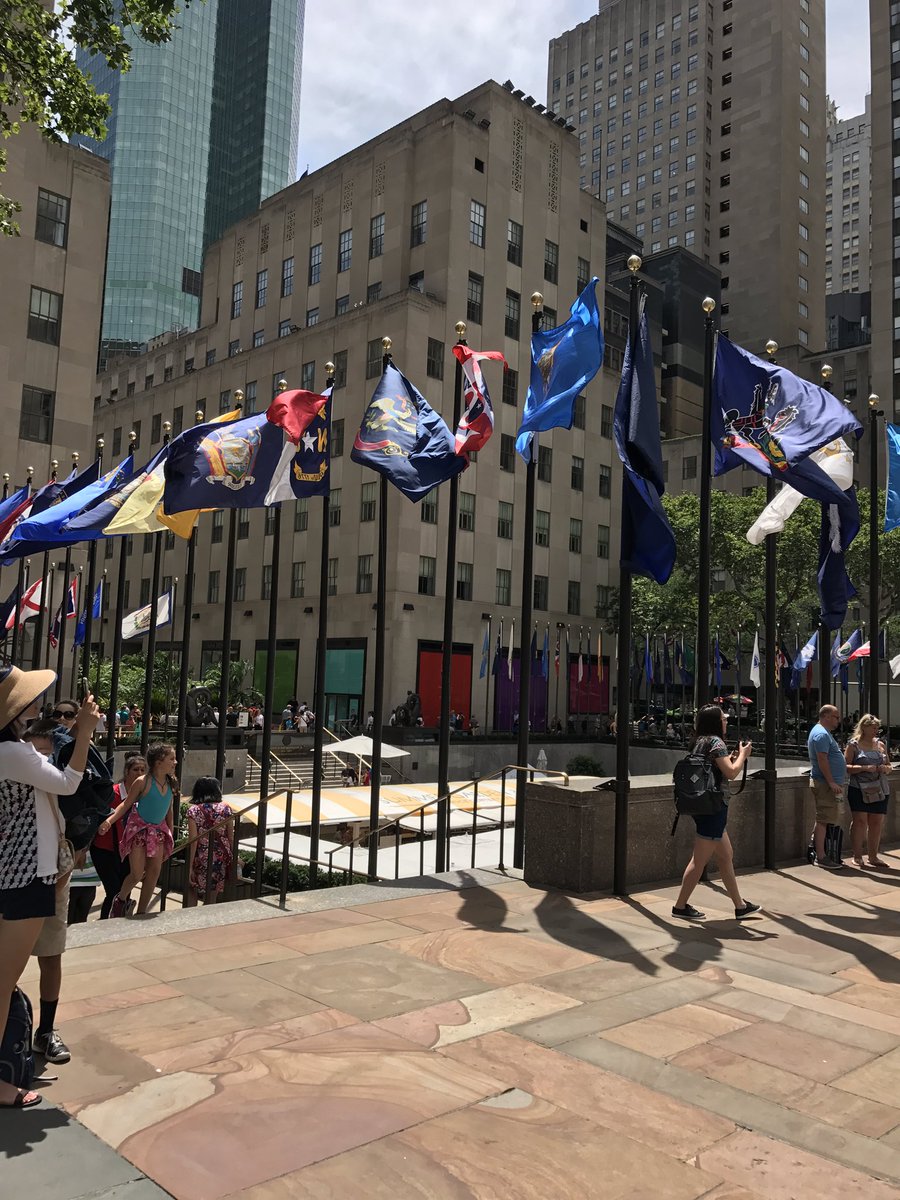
x=848 y=167
x=202 y=130
x=460 y=212
x=50 y=303
x=703 y=125
x=884 y=31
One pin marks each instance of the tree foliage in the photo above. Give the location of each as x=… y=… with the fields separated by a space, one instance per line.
x=132 y=674
x=40 y=83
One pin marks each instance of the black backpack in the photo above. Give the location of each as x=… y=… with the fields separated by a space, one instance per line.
x=16 y=1054
x=95 y=798
x=698 y=786
x=834 y=845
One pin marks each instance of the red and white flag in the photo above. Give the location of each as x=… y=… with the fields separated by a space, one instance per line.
x=31 y=604
x=477 y=422
x=863 y=651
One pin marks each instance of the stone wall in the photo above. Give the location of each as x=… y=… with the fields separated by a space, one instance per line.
x=198 y=763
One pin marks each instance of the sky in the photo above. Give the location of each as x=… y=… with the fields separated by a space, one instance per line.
x=380 y=67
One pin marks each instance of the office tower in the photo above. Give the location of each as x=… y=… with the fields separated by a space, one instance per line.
x=703 y=125
x=848 y=168
x=202 y=129
x=884 y=30
x=50 y=304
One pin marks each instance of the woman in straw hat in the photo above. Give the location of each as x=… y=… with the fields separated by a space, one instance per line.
x=31 y=829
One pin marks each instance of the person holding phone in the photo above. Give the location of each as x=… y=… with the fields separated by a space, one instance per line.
x=867 y=788
x=711 y=840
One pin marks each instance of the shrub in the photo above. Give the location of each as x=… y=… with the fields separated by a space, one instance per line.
x=298 y=874
x=583 y=764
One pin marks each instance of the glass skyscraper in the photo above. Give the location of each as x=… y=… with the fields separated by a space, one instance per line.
x=202 y=130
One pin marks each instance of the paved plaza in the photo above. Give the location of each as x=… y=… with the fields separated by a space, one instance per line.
x=469 y=1036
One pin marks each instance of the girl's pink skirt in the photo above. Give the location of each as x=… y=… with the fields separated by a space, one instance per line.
x=152 y=837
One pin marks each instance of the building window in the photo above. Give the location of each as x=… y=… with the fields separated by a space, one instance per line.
x=505 y=520
x=376 y=236
x=510 y=387
x=514 y=235
x=285 y=329
x=52 y=218
x=434 y=361
x=467 y=511
x=225 y=400
x=418 y=225
x=308 y=376
x=218 y=526
x=504 y=587
x=464 y=575
x=301 y=516
x=541 y=528
x=428 y=507
x=315 y=264
x=551 y=261
x=374 y=358
x=603 y=541
x=606 y=421
x=427 y=572
x=36 y=420
x=507 y=452
x=341 y=305
x=575 y=535
x=541 y=592
x=689 y=467
x=240 y=583
x=287 y=277
x=259 y=337
x=155 y=428
x=345 y=250
x=44 y=316
x=237 y=298
x=545 y=464
x=577 y=479
x=262 y=287
x=234 y=347
x=332 y=576
x=475 y=298
x=477 y=217
x=373 y=292
x=364 y=573
x=334 y=508
x=312 y=317
x=337 y=438
x=243 y=523
x=583 y=273
x=212 y=588
x=605 y=481
x=513 y=314
x=340 y=369
x=573 y=599
x=367 y=502
x=298 y=580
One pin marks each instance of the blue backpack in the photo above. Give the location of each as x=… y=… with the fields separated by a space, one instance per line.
x=16 y=1054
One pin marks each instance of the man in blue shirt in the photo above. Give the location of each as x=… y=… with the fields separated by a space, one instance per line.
x=828 y=773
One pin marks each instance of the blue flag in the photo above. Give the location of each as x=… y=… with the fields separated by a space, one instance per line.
x=11 y=503
x=892 y=508
x=81 y=627
x=853 y=643
x=90 y=523
x=227 y=464
x=648 y=661
x=404 y=439
x=485 y=651
x=49 y=528
x=563 y=362
x=648 y=543
x=807 y=655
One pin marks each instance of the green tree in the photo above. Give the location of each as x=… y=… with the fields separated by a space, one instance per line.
x=40 y=83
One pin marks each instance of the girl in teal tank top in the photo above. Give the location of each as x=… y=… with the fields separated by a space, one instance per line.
x=147 y=841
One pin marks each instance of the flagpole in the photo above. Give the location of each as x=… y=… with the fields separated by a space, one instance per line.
x=227 y=625
x=557 y=664
x=54 y=567
x=173 y=605
x=154 y=614
x=623 y=684
x=321 y=657
x=185 y=666
x=701 y=661
x=378 y=685
x=113 y=705
x=102 y=586
x=92 y=583
x=61 y=649
x=537 y=313
x=442 y=855
x=20 y=587
x=740 y=693
x=874 y=564
x=37 y=648
x=490 y=671
x=771 y=616
x=825 y=680
x=797 y=694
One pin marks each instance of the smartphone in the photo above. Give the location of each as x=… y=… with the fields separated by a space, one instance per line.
x=85 y=688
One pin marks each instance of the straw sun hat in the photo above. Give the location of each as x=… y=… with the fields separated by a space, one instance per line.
x=20 y=689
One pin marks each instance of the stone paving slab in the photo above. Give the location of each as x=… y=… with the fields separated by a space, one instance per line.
x=468 y=1037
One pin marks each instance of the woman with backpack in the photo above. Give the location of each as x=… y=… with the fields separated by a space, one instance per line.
x=711 y=840
x=34 y=855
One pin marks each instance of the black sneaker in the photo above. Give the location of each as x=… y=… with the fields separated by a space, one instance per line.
x=747 y=911
x=52 y=1047
x=689 y=913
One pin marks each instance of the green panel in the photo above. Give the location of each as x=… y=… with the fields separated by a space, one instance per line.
x=344 y=672
x=285 y=674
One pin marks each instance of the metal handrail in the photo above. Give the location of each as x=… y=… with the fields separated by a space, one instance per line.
x=422 y=808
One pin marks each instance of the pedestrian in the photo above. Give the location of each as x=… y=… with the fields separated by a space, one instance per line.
x=111 y=867
x=828 y=773
x=208 y=812
x=712 y=840
x=33 y=854
x=868 y=789
x=148 y=836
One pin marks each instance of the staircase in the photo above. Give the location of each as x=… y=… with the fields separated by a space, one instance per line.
x=293 y=769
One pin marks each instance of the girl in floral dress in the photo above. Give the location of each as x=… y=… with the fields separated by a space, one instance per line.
x=206 y=811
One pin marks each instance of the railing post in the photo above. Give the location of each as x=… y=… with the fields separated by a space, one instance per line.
x=500 y=866
x=285 y=849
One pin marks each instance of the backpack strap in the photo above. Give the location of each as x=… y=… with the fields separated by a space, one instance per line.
x=743 y=780
x=675 y=823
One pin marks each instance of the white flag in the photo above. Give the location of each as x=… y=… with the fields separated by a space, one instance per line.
x=509 y=653
x=835 y=459
x=138 y=623
x=895 y=666
x=32 y=603
x=754 y=662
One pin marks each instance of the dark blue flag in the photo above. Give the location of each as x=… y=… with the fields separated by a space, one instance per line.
x=90 y=523
x=304 y=468
x=648 y=661
x=563 y=362
x=535 y=655
x=404 y=439
x=648 y=543
x=498 y=653
x=222 y=465
x=96 y=608
x=11 y=503
x=892 y=505
x=668 y=678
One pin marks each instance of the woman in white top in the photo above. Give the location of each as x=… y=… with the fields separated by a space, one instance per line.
x=31 y=827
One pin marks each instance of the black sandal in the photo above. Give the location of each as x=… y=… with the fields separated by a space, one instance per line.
x=21 y=1102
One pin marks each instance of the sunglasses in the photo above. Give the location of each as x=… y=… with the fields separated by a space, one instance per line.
x=63 y=712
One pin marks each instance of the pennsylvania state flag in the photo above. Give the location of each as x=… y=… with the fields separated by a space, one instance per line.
x=404 y=439
x=563 y=362
x=227 y=465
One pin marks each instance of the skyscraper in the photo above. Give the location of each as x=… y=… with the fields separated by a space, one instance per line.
x=703 y=125
x=202 y=130
x=847 y=208
x=884 y=31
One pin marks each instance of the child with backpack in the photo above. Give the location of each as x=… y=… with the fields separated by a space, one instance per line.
x=698 y=791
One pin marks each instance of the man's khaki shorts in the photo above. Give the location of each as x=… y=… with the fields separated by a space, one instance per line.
x=52 y=938
x=829 y=807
